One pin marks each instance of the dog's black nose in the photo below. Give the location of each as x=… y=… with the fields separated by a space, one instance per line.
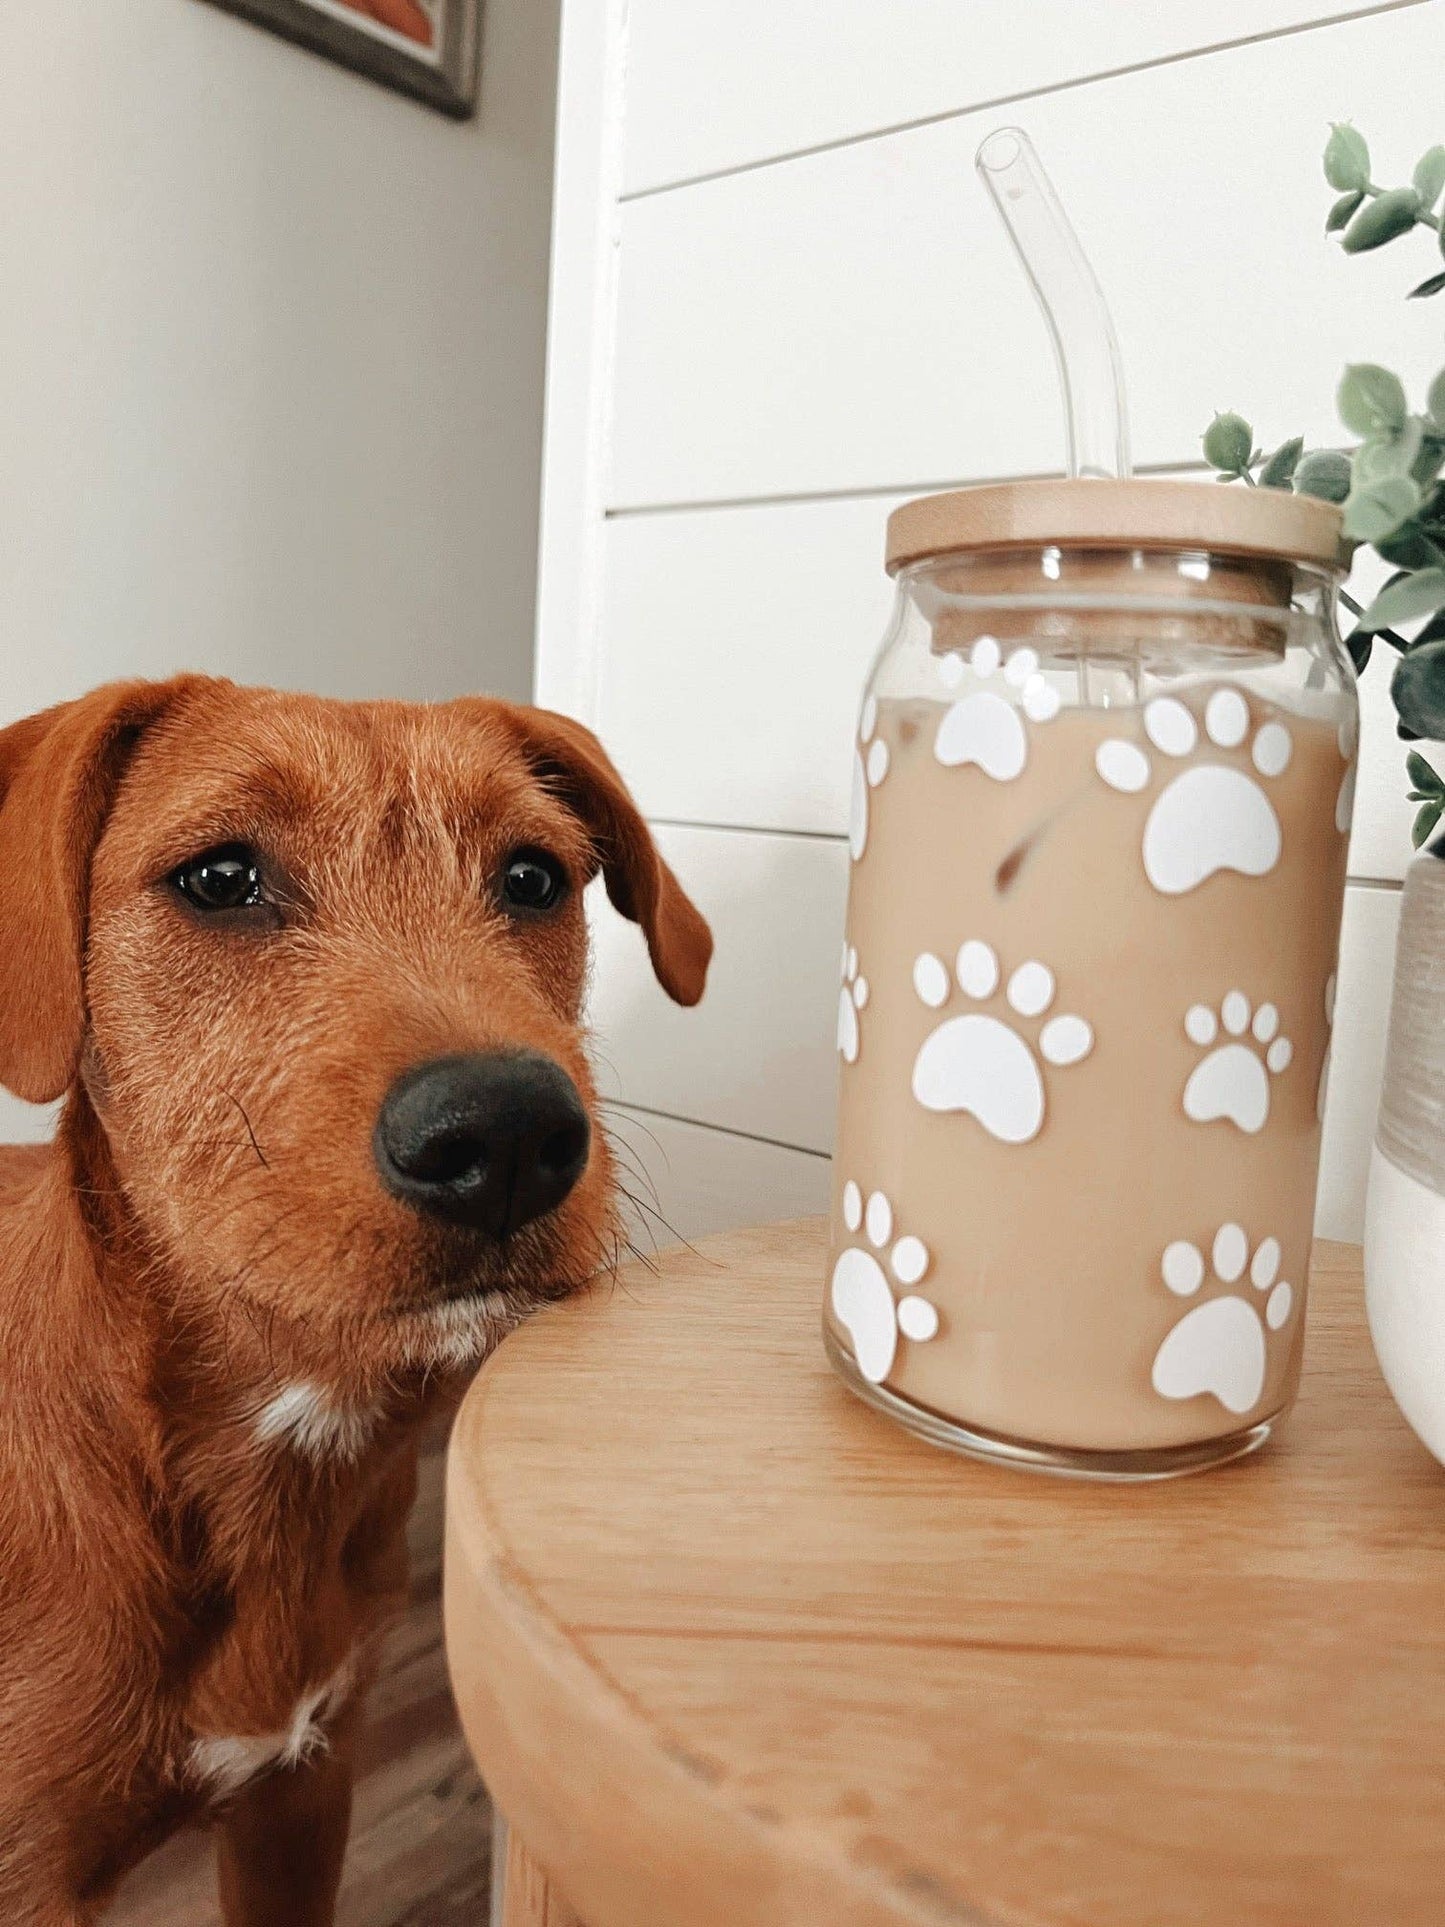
x=488 y=1141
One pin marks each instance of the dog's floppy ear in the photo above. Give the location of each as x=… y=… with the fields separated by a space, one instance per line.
x=573 y=763
x=58 y=773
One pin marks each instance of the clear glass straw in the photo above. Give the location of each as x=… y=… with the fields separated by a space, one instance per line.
x=1096 y=414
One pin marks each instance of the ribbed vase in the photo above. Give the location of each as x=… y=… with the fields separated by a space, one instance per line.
x=1405 y=1218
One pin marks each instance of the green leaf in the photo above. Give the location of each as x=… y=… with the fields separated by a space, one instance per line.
x=1278 y=471
x=1385 y=455
x=1371 y=400
x=1228 y=442
x=1435 y=401
x=1384 y=219
x=1418 y=688
x=1415 y=595
x=1341 y=211
x=1431 y=286
x=1385 y=635
x=1423 y=777
x=1427 y=463
x=1429 y=176
x=1373 y=513
x=1408 y=548
x=1408 y=444
x=1361 y=648
x=1429 y=816
x=1325 y=474
x=1347 y=158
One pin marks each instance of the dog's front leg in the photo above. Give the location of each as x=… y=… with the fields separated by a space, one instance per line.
x=280 y=1843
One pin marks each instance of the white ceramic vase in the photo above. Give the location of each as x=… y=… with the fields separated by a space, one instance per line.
x=1405 y=1216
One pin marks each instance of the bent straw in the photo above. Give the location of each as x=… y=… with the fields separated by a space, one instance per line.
x=1096 y=415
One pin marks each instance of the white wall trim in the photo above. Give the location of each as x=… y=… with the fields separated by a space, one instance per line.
x=580 y=340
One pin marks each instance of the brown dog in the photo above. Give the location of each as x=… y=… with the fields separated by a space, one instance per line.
x=311 y=974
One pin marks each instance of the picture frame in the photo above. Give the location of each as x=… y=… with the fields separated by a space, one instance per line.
x=428 y=49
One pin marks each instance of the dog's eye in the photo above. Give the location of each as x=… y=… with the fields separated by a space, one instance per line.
x=224 y=879
x=533 y=880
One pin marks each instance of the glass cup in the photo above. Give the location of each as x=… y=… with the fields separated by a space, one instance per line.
x=1103 y=784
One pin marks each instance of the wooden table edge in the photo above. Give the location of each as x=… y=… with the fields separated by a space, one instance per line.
x=580 y=1773
x=583 y=1775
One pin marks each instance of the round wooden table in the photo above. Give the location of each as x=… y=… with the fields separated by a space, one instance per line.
x=733 y=1651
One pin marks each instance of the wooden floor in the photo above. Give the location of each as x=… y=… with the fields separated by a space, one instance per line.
x=420 y=1851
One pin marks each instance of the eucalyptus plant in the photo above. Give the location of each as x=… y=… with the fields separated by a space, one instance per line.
x=1389 y=482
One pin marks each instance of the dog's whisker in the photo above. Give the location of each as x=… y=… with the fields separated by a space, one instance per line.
x=640 y=1211
x=634 y=1117
x=636 y=1123
x=644 y=1178
x=650 y=1211
x=624 y=1155
x=251 y=1134
x=602 y=1062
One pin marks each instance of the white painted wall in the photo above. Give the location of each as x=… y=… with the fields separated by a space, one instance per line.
x=782 y=304
x=271 y=359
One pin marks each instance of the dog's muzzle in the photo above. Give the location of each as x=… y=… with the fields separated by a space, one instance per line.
x=489 y=1141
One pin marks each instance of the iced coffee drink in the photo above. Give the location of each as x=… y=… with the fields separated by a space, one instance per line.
x=1101 y=808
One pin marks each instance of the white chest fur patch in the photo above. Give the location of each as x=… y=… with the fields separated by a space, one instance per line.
x=305 y=1417
x=224 y=1765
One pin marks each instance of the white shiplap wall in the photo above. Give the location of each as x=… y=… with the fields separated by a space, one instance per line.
x=780 y=304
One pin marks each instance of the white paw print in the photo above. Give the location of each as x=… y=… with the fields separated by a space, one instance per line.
x=862 y=1297
x=980 y=1064
x=1219 y=1347
x=1233 y=1080
x=870 y=766
x=851 y=1000
x=1211 y=816
x=986 y=727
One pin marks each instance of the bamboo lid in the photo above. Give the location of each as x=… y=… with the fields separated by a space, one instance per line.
x=1119 y=515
